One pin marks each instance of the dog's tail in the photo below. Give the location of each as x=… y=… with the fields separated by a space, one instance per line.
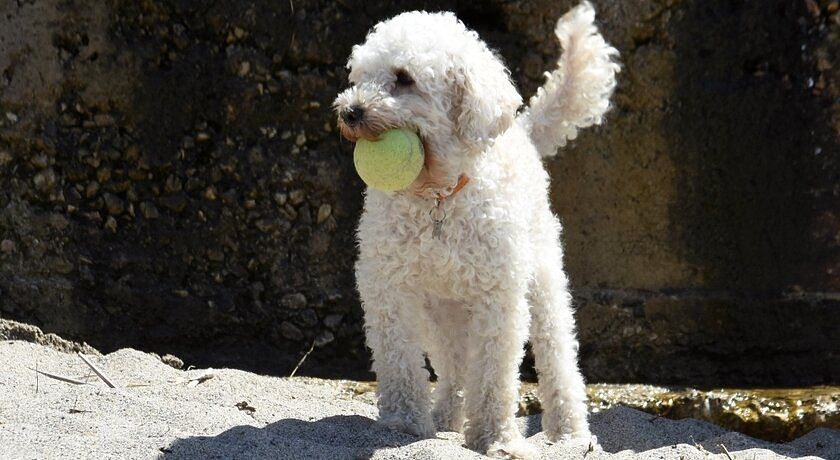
x=577 y=94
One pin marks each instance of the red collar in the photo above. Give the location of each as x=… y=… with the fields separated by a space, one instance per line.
x=463 y=180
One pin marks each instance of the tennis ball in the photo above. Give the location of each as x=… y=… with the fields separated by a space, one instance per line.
x=391 y=162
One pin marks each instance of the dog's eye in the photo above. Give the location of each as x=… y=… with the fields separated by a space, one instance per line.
x=403 y=78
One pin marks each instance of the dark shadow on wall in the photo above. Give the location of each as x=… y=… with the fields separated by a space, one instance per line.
x=754 y=211
x=746 y=136
x=208 y=276
x=752 y=145
x=195 y=227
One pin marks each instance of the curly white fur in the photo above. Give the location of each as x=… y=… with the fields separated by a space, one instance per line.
x=470 y=299
x=577 y=94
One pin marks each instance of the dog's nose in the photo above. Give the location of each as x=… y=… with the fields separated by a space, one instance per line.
x=353 y=115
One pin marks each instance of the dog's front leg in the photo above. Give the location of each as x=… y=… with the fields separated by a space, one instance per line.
x=403 y=383
x=497 y=334
x=446 y=344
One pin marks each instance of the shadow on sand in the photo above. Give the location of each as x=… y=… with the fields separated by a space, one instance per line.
x=357 y=437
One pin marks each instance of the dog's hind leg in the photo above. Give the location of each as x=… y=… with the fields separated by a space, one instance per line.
x=561 y=387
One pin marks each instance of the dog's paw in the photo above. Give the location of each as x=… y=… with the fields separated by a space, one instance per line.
x=500 y=444
x=566 y=435
x=443 y=422
x=419 y=426
x=517 y=448
x=560 y=429
x=447 y=419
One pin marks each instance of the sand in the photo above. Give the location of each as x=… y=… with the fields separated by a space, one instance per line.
x=160 y=412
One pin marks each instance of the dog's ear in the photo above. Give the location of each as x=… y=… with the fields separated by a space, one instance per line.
x=484 y=98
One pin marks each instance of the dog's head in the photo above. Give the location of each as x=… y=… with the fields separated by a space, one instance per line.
x=429 y=73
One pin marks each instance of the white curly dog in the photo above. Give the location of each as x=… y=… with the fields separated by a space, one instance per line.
x=467 y=260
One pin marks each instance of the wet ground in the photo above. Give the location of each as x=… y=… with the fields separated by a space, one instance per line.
x=777 y=415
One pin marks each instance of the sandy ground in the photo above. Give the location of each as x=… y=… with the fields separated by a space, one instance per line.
x=158 y=411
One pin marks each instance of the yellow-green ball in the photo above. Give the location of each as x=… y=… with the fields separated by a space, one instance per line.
x=391 y=162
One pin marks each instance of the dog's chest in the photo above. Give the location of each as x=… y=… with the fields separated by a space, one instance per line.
x=456 y=262
x=444 y=258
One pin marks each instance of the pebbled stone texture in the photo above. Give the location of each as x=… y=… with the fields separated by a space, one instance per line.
x=171 y=179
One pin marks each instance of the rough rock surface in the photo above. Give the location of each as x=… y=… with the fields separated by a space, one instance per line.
x=171 y=179
x=12 y=330
x=161 y=412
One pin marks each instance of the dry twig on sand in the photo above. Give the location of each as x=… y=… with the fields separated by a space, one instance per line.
x=194 y=381
x=59 y=377
x=97 y=371
x=698 y=445
x=589 y=449
x=200 y=379
x=306 y=355
x=73 y=409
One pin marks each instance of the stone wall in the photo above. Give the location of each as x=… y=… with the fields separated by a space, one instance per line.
x=172 y=180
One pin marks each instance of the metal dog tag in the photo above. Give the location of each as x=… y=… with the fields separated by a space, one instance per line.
x=437 y=229
x=438 y=215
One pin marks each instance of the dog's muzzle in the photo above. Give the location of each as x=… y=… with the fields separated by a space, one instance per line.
x=353 y=116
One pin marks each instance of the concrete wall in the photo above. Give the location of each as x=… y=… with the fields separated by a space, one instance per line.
x=172 y=180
